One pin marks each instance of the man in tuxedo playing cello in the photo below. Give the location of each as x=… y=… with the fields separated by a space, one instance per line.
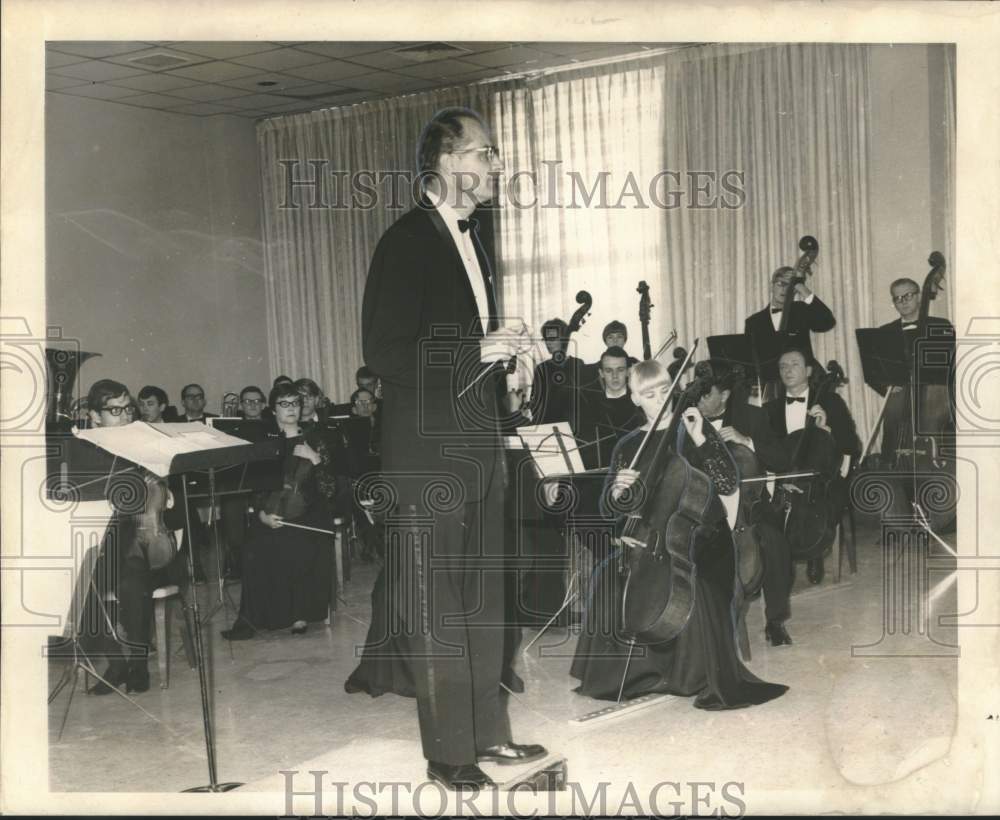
x=724 y=406
x=430 y=290
x=798 y=400
x=808 y=314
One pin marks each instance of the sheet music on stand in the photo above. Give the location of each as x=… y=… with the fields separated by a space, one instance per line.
x=552 y=446
x=155 y=446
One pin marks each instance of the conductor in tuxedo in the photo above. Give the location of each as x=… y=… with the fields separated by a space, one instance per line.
x=428 y=315
x=808 y=314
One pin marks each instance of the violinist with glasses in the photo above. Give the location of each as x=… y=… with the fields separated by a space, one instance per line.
x=139 y=554
x=288 y=554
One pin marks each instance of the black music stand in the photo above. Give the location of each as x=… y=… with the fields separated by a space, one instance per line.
x=883 y=359
x=204 y=458
x=737 y=348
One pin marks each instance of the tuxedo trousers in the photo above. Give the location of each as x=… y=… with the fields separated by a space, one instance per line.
x=450 y=602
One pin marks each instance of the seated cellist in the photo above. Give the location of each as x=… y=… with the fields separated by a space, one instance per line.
x=702 y=660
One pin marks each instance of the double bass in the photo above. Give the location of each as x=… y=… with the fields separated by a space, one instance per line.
x=802 y=271
x=645 y=306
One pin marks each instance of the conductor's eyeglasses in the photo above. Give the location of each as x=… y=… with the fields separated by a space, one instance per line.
x=489 y=151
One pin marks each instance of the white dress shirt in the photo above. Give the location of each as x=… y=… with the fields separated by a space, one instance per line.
x=467 y=250
x=795 y=413
x=776 y=317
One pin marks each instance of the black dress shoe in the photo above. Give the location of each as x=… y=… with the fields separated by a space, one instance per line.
x=512 y=681
x=815 y=570
x=467 y=776
x=138 y=677
x=241 y=631
x=777 y=635
x=510 y=754
x=115 y=675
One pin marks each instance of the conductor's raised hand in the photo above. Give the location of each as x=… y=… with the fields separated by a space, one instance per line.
x=271 y=520
x=505 y=342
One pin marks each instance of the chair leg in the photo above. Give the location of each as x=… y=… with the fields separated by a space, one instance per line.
x=162 y=645
x=852 y=555
x=837 y=554
x=741 y=633
x=187 y=634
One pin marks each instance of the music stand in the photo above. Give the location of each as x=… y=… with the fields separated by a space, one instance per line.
x=172 y=449
x=883 y=358
x=737 y=348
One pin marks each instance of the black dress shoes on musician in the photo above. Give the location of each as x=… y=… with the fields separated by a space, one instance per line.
x=457 y=778
x=512 y=681
x=241 y=631
x=115 y=675
x=776 y=634
x=133 y=675
x=138 y=676
x=510 y=754
x=815 y=570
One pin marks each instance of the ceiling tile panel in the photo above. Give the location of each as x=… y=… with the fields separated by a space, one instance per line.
x=281 y=82
x=82 y=48
x=515 y=55
x=330 y=71
x=216 y=71
x=55 y=59
x=209 y=92
x=280 y=59
x=149 y=55
x=438 y=70
x=154 y=101
x=53 y=82
x=99 y=91
x=96 y=71
x=223 y=51
x=347 y=49
x=204 y=109
x=154 y=82
x=257 y=101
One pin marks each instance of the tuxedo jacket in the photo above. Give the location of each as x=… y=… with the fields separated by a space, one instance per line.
x=754 y=422
x=421 y=334
x=838 y=419
x=815 y=317
x=182 y=418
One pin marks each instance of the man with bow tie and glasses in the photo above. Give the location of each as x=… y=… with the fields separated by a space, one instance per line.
x=808 y=314
x=431 y=328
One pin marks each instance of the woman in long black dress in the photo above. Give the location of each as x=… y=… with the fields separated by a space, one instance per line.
x=702 y=660
x=287 y=569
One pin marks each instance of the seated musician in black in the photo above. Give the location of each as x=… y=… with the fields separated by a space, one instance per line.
x=725 y=407
x=288 y=557
x=152 y=404
x=555 y=385
x=798 y=400
x=125 y=565
x=702 y=660
x=193 y=399
x=607 y=411
x=808 y=313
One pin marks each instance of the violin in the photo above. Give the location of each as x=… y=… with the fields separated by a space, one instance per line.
x=809 y=520
x=291 y=501
x=152 y=538
x=659 y=589
x=645 y=306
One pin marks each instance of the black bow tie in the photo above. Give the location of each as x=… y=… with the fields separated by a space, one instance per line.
x=776 y=310
x=793 y=399
x=465 y=225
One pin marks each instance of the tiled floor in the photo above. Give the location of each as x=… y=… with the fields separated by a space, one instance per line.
x=875 y=722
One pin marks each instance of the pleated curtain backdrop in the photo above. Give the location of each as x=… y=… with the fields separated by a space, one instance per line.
x=789 y=122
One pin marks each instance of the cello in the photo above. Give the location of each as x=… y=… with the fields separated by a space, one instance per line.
x=659 y=589
x=809 y=523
